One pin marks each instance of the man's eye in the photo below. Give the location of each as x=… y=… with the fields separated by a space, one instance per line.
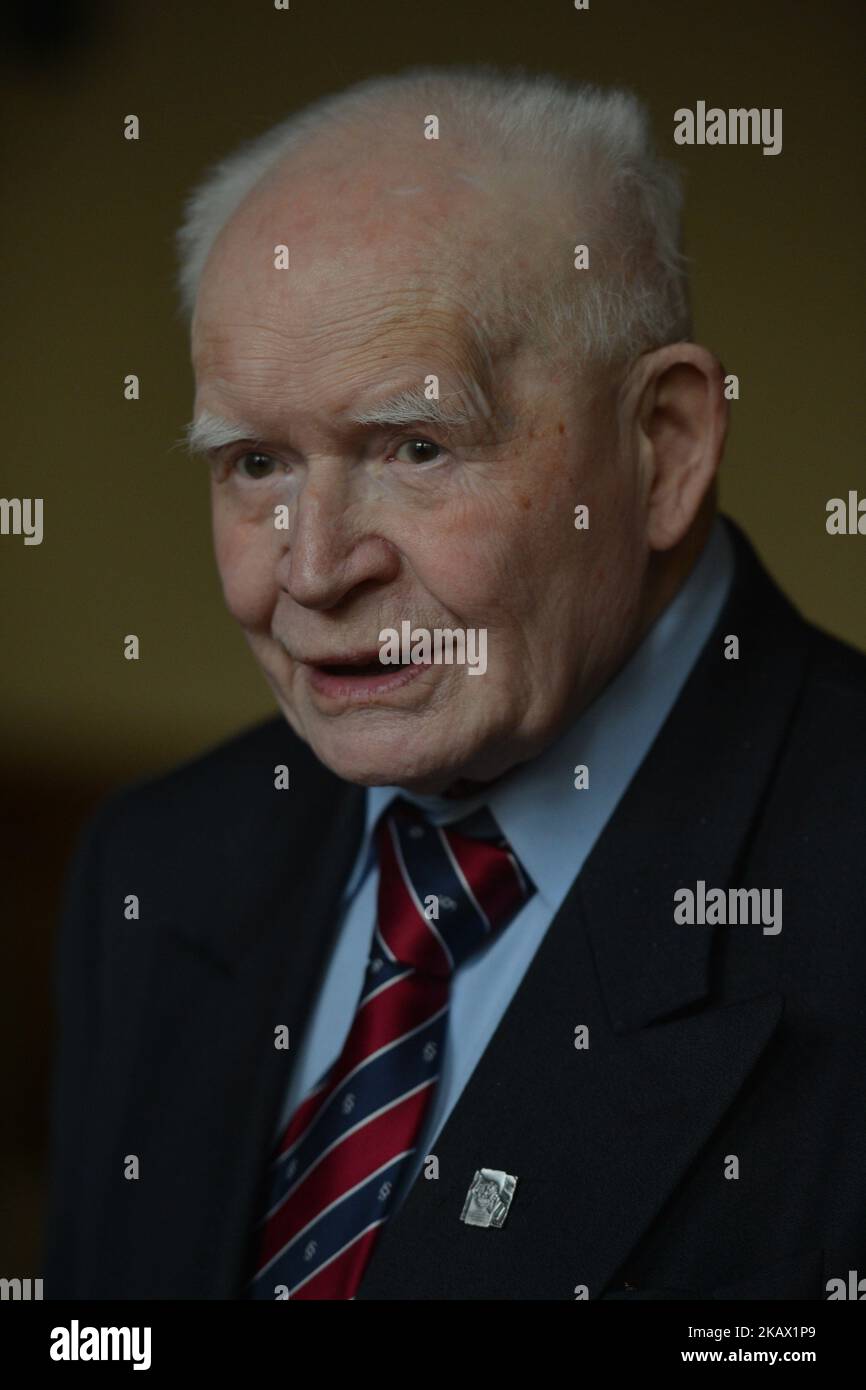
x=417 y=451
x=255 y=466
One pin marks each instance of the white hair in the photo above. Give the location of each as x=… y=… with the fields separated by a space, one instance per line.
x=594 y=144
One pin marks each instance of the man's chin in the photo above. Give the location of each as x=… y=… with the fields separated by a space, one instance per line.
x=426 y=771
x=396 y=773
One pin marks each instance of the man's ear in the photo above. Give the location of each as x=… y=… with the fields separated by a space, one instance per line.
x=680 y=424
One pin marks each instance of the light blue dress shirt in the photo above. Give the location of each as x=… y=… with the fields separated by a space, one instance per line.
x=551 y=828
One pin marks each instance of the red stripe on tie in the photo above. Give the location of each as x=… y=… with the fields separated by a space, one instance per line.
x=405 y=1005
x=360 y=1154
x=499 y=894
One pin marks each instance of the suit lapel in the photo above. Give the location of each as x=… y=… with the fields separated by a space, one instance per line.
x=205 y=1092
x=599 y=1139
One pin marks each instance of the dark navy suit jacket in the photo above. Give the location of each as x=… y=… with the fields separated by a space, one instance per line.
x=706 y=1043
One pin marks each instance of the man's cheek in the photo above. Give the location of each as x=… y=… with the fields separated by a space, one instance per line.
x=247 y=582
x=467 y=571
x=466 y=590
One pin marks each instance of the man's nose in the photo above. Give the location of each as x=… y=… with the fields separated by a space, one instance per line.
x=330 y=548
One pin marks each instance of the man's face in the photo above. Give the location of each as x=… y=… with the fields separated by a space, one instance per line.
x=465 y=527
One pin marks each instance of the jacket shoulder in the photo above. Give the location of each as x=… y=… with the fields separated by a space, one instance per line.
x=206 y=839
x=238 y=772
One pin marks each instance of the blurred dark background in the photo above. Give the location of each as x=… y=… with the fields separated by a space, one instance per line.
x=88 y=297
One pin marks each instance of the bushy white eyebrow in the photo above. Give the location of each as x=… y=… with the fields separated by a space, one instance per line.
x=413 y=407
x=209 y=431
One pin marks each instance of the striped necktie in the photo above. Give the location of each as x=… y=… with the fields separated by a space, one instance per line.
x=443 y=893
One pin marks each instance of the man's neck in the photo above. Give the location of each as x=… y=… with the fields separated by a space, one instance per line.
x=669 y=570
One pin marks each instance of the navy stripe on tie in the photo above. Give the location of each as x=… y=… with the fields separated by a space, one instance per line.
x=329 y=1232
x=399 y=1067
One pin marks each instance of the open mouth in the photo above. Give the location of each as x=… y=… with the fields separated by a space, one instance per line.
x=361 y=677
x=362 y=668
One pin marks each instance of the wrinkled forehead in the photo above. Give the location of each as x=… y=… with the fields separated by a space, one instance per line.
x=342 y=305
x=358 y=335
x=348 y=313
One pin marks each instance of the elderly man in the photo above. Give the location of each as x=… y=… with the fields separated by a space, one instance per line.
x=533 y=977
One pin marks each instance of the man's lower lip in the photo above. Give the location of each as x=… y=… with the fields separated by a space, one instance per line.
x=344 y=686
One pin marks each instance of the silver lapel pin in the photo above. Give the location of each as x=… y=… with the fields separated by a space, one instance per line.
x=489 y=1198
